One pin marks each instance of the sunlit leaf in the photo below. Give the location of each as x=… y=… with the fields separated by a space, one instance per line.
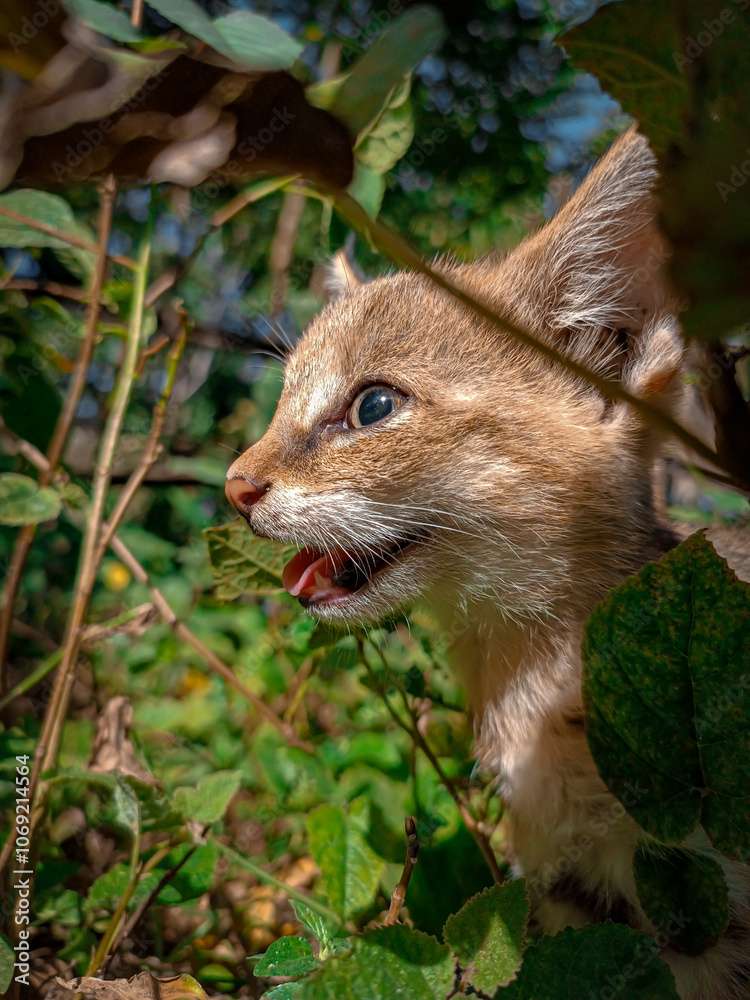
x=23 y=502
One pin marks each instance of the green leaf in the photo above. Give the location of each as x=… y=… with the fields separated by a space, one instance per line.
x=7 y=961
x=107 y=891
x=23 y=502
x=665 y=660
x=105 y=19
x=384 y=964
x=671 y=881
x=595 y=960
x=350 y=868
x=127 y=810
x=287 y=991
x=318 y=927
x=256 y=41
x=289 y=956
x=194 y=877
x=189 y=16
x=359 y=96
x=487 y=934
x=246 y=38
x=390 y=135
x=630 y=48
x=52 y=211
x=208 y=801
x=243 y=563
x=368 y=188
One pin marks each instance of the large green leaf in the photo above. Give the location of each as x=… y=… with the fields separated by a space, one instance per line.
x=248 y=39
x=359 y=96
x=384 y=964
x=601 y=960
x=105 y=18
x=23 y=502
x=208 y=801
x=241 y=562
x=681 y=72
x=289 y=956
x=350 y=868
x=488 y=934
x=672 y=881
x=257 y=42
x=631 y=47
x=665 y=658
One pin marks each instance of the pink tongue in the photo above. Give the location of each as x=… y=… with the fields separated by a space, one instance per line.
x=310 y=574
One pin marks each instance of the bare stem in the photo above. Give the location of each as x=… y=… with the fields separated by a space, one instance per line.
x=398 y=895
x=151 y=448
x=67 y=414
x=58 y=234
x=413 y=730
x=87 y=567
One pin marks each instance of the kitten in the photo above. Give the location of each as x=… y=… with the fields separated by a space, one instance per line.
x=418 y=452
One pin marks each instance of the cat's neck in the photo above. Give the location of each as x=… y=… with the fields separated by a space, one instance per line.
x=523 y=670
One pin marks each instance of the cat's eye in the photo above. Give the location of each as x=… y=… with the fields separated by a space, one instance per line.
x=373 y=404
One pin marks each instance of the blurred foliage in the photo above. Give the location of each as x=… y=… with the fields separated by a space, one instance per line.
x=249 y=845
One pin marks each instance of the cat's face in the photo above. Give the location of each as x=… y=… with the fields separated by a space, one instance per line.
x=417 y=450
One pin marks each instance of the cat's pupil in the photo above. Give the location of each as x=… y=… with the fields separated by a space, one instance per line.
x=374 y=406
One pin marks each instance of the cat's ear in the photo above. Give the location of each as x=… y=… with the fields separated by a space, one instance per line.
x=341 y=274
x=593 y=280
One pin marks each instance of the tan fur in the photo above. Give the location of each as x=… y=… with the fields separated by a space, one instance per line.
x=536 y=494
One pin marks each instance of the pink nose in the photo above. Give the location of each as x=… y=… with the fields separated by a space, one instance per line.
x=243 y=495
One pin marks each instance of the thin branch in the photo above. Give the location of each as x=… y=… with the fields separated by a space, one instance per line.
x=69 y=238
x=263 y=876
x=413 y=730
x=412 y=851
x=282 y=248
x=152 y=447
x=397 y=249
x=67 y=415
x=46 y=288
x=57 y=709
x=254 y=193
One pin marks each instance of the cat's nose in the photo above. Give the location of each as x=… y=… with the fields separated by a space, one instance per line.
x=243 y=494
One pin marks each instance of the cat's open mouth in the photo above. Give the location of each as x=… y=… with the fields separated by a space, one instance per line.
x=315 y=577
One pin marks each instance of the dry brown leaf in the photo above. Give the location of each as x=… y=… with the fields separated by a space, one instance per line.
x=142 y=986
x=112 y=749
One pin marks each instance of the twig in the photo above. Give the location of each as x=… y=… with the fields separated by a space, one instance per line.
x=136 y=13
x=132 y=922
x=397 y=249
x=248 y=196
x=412 y=850
x=282 y=248
x=264 y=876
x=413 y=730
x=47 y=288
x=65 y=420
x=54 y=719
x=109 y=934
x=69 y=238
x=151 y=448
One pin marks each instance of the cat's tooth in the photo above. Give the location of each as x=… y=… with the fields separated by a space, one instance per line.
x=323 y=582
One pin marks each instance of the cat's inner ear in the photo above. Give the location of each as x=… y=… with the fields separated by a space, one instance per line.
x=593 y=280
x=340 y=275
